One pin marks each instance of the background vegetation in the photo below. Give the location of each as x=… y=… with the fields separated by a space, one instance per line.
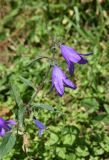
x=81 y=130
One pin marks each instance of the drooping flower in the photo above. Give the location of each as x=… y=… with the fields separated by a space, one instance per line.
x=72 y=56
x=5 y=126
x=59 y=80
x=39 y=125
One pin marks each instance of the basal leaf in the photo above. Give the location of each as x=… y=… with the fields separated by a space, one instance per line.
x=20 y=110
x=7 y=144
x=16 y=94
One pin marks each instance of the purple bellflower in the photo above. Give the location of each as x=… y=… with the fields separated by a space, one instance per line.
x=5 y=126
x=59 y=80
x=39 y=125
x=71 y=56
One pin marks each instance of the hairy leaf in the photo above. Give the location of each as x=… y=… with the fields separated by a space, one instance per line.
x=7 y=144
x=26 y=82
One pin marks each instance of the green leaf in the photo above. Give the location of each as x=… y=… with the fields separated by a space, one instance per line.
x=106 y=119
x=16 y=94
x=26 y=82
x=98 y=151
x=90 y=104
x=61 y=152
x=106 y=108
x=44 y=106
x=7 y=144
x=71 y=156
x=53 y=139
x=99 y=117
x=20 y=110
x=82 y=151
x=69 y=139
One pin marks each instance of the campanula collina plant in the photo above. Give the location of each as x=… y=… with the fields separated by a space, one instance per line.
x=59 y=81
x=50 y=84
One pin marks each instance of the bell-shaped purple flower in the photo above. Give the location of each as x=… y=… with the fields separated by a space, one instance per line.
x=59 y=80
x=39 y=125
x=71 y=56
x=5 y=126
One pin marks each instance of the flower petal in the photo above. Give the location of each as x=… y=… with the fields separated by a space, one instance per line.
x=11 y=122
x=69 y=84
x=57 y=79
x=70 y=54
x=2 y=122
x=40 y=132
x=71 y=68
x=59 y=87
x=7 y=128
x=2 y=132
x=39 y=124
x=83 y=61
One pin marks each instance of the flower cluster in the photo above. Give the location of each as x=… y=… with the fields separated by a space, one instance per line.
x=59 y=79
x=5 y=126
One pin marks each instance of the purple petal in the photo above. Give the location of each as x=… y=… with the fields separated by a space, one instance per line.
x=71 y=68
x=11 y=122
x=83 y=61
x=59 y=87
x=69 y=84
x=40 y=132
x=7 y=128
x=2 y=132
x=39 y=124
x=2 y=122
x=57 y=79
x=57 y=73
x=70 y=54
